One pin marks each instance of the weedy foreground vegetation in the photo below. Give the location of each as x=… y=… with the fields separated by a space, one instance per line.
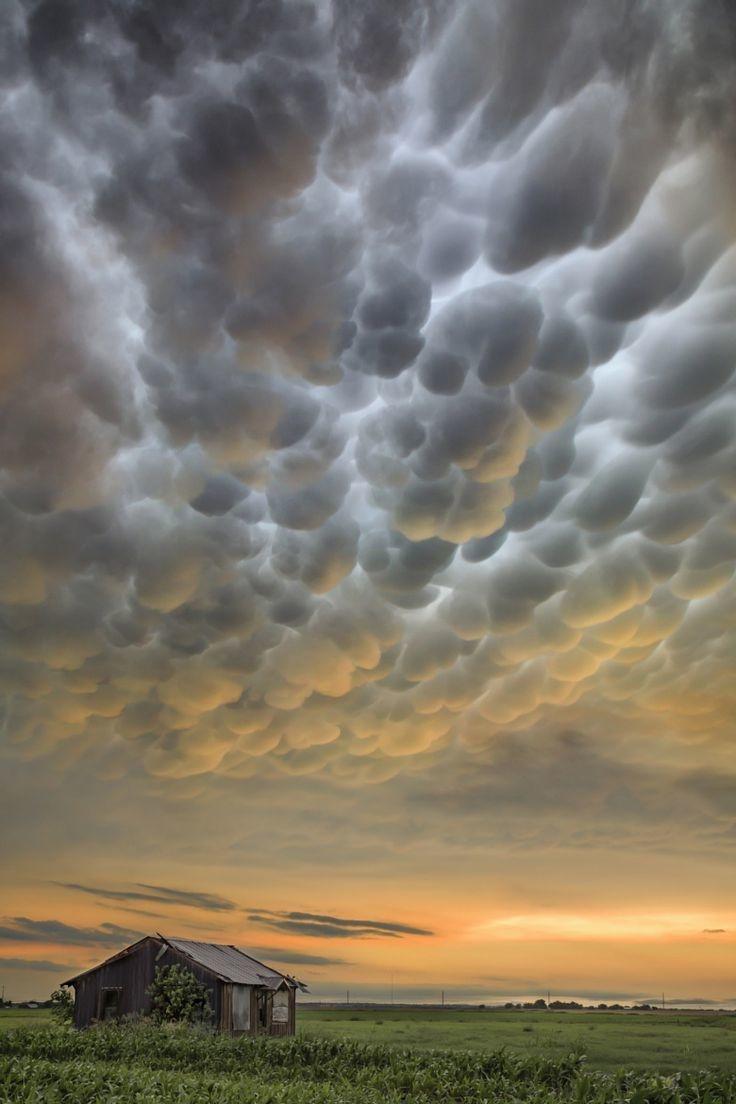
x=123 y=1064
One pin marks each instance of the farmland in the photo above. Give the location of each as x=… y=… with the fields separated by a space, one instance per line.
x=137 y=1063
x=11 y=1018
x=665 y=1042
x=660 y=1042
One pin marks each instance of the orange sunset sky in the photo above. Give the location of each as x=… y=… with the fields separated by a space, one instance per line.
x=368 y=493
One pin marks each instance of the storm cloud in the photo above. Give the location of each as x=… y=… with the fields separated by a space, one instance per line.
x=366 y=406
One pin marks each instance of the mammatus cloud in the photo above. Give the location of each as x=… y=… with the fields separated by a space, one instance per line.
x=367 y=383
x=21 y=929
x=331 y=927
x=163 y=895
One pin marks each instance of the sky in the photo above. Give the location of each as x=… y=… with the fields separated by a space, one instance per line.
x=367 y=480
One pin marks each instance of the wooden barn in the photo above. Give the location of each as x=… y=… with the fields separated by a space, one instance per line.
x=247 y=997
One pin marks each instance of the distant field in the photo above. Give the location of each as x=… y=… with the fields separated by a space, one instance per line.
x=24 y=1017
x=661 y=1042
x=664 y=1042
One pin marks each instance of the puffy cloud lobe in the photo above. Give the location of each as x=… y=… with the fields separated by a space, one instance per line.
x=638 y=275
x=550 y=196
x=366 y=380
x=612 y=494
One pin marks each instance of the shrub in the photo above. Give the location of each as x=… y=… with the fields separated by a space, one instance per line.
x=177 y=997
x=62 y=1006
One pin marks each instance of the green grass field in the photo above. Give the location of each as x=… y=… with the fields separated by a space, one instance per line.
x=145 y=1064
x=662 y=1042
x=657 y=1041
x=23 y=1017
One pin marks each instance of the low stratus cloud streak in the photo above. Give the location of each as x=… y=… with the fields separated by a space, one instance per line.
x=22 y=929
x=162 y=895
x=331 y=927
x=367 y=451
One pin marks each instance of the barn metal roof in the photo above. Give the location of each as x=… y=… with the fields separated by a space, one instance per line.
x=223 y=959
x=230 y=963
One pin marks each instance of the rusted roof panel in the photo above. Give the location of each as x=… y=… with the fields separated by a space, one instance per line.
x=230 y=963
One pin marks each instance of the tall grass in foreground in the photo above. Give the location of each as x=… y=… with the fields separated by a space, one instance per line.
x=139 y=1063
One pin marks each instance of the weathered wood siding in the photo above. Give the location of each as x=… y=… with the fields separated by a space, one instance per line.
x=288 y=1026
x=281 y=1012
x=133 y=973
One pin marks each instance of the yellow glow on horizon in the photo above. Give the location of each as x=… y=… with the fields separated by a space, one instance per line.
x=611 y=926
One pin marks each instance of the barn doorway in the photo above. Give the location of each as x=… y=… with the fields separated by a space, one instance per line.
x=264 y=1009
x=241 y=1008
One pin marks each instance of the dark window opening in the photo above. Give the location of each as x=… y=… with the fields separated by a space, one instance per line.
x=263 y=1011
x=110 y=1004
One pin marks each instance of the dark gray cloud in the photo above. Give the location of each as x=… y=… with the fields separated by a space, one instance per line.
x=331 y=927
x=317 y=931
x=163 y=895
x=40 y=964
x=366 y=389
x=21 y=929
x=297 y=958
x=566 y=771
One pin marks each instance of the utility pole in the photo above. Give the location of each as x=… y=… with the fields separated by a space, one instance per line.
x=443 y=998
x=392 y=988
x=548 y=996
x=348 y=996
x=663 y=1002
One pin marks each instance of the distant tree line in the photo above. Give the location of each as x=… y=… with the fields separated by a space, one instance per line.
x=573 y=1006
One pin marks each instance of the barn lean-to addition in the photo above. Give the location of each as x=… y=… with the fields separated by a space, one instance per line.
x=247 y=997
